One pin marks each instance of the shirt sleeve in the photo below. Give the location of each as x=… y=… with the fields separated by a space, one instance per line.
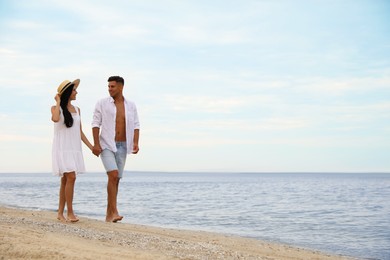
x=97 y=116
x=136 y=121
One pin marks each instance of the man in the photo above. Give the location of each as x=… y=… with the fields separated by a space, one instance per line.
x=116 y=119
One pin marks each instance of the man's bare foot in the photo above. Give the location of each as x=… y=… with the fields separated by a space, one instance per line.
x=114 y=219
x=117 y=218
x=61 y=218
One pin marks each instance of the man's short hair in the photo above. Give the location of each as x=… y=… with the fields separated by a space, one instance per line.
x=117 y=79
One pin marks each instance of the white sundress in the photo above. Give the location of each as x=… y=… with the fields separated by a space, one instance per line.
x=67 y=155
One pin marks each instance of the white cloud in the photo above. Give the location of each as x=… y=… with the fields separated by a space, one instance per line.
x=6 y=138
x=343 y=86
x=204 y=104
x=191 y=34
x=8 y=52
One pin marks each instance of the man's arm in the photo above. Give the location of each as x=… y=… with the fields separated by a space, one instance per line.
x=96 y=150
x=96 y=123
x=135 y=141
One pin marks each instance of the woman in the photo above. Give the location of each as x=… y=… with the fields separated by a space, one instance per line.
x=67 y=153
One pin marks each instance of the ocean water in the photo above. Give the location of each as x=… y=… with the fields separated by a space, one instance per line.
x=345 y=213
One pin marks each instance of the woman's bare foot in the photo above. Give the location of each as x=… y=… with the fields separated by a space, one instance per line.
x=72 y=218
x=61 y=218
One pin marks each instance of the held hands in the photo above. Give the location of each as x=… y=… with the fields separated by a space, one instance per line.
x=96 y=150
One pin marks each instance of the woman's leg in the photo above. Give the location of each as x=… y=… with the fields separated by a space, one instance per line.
x=61 y=203
x=69 y=190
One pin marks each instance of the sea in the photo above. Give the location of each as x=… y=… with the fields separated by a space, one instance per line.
x=338 y=213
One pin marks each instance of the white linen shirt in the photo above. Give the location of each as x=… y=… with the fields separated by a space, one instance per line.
x=104 y=118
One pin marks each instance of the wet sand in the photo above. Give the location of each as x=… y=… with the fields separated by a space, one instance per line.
x=26 y=234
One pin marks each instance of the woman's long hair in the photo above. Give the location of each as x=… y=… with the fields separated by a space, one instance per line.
x=64 y=105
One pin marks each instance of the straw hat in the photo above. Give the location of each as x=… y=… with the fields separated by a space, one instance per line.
x=66 y=83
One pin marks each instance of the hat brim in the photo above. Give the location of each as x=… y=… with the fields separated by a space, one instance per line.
x=75 y=84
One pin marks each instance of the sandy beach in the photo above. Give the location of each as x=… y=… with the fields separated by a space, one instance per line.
x=26 y=234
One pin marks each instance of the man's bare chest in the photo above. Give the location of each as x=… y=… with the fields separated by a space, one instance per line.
x=120 y=112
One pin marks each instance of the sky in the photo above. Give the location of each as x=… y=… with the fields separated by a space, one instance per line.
x=220 y=86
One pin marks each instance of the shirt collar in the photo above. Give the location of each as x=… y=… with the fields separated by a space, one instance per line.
x=112 y=100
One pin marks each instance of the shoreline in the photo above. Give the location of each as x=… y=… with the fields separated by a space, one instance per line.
x=39 y=235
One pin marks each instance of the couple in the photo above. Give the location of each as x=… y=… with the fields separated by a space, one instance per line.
x=115 y=129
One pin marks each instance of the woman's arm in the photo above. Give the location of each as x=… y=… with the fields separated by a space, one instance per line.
x=55 y=110
x=83 y=137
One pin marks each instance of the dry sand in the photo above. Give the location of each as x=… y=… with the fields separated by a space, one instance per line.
x=28 y=234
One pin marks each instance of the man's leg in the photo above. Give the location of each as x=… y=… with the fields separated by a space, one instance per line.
x=119 y=217
x=108 y=159
x=112 y=193
x=62 y=200
x=120 y=158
